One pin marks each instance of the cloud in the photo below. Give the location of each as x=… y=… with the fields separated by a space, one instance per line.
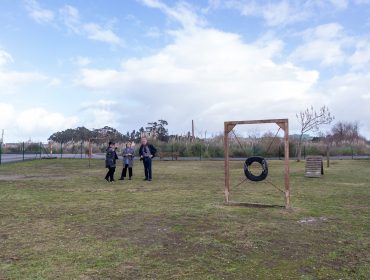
x=71 y=19
x=5 y=58
x=11 y=80
x=182 y=13
x=325 y=44
x=36 y=122
x=208 y=75
x=96 y=32
x=101 y=113
x=284 y=12
x=39 y=14
x=349 y=98
x=361 y=57
x=81 y=61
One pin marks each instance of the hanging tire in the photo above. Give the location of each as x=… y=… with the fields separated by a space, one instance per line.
x=249 y=161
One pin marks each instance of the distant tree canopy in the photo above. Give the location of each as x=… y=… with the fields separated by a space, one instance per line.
x=156 y=130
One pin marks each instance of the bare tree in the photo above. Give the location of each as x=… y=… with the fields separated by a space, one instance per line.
x=346 y=132
x=311 y=120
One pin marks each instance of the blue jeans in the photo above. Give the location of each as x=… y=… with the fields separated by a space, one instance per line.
x=147 y=168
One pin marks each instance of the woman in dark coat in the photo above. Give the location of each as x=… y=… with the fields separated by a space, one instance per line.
x=128 y=161
x=110 y=161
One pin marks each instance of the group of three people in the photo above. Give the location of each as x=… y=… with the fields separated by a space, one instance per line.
x=146 y=152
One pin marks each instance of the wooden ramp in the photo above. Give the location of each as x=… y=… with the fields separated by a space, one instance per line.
x=314 y=167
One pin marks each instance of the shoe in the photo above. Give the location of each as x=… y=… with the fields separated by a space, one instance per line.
x=150 y=180
x=113 y=180
x=129 y=178
x=107 y=180
x=121 y=179
x=146 y=179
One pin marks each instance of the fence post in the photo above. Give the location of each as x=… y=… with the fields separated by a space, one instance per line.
x=61 y=149
x=1 y=151
x=279 y=152
x=81 y=149
x=23 y=151
x=304 y=152
x=40 y=148
x=200 y=154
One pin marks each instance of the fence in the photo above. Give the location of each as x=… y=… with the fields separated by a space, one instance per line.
x=12 y=152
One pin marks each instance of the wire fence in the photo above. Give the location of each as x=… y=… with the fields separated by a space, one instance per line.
x=13 y=152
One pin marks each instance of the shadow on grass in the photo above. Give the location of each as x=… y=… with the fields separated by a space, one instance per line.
x=253 y=205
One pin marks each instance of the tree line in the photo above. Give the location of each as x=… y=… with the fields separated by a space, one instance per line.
x=155 y=129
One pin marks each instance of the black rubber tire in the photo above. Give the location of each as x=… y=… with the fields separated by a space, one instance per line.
x=263 y=164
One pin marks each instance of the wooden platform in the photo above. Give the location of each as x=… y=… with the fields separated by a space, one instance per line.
x=314 y=167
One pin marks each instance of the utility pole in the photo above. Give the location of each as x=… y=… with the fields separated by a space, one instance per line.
x=192 y=131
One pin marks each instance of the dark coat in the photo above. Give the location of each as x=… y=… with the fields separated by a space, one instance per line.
x=110 y=158
x=152 y=150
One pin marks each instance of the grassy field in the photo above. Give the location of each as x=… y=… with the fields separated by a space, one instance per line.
x=61 y=220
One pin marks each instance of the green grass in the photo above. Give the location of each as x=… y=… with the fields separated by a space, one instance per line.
x=60 y=219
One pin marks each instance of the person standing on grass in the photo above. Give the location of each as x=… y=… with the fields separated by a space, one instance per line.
x=128 y=161
x=147 y=152
x=110 y=161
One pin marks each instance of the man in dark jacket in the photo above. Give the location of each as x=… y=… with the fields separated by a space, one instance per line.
x=147 y=152
x=110 y=161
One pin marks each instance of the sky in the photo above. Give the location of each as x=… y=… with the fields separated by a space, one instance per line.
x=93 y=63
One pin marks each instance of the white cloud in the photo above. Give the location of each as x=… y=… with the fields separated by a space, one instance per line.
x=339 y=4
x=71 y=18
x=153 y=32
x=182 y=13
x=37 y=122
x=349 y=98
x=325 y=44
x=81 y=61
x=284 y=12
x=12 y=79
x=5 y=58
x=7 y=113
x=98 y=33
x=207 y=75
x=54 y=82
x=361 y=57
x=37 y=13
x=101 y=113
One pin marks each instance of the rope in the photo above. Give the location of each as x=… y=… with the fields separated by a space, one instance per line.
x=276 y=187
x=237 y=185
x=268 y=149
x=237 y=139
x=273 y=139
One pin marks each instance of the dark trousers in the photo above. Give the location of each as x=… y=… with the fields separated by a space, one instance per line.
x=124 y=171
x=147 y=168
x=110 y=174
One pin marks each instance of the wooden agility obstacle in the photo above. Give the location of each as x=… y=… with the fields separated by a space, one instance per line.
x=284 y=125
x=314 y=167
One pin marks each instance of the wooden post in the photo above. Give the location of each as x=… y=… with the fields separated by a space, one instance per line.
x=226 y=161
x=192 y=131
x=286 y=165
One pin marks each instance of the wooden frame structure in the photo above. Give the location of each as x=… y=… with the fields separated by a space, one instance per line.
x=284 y=125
